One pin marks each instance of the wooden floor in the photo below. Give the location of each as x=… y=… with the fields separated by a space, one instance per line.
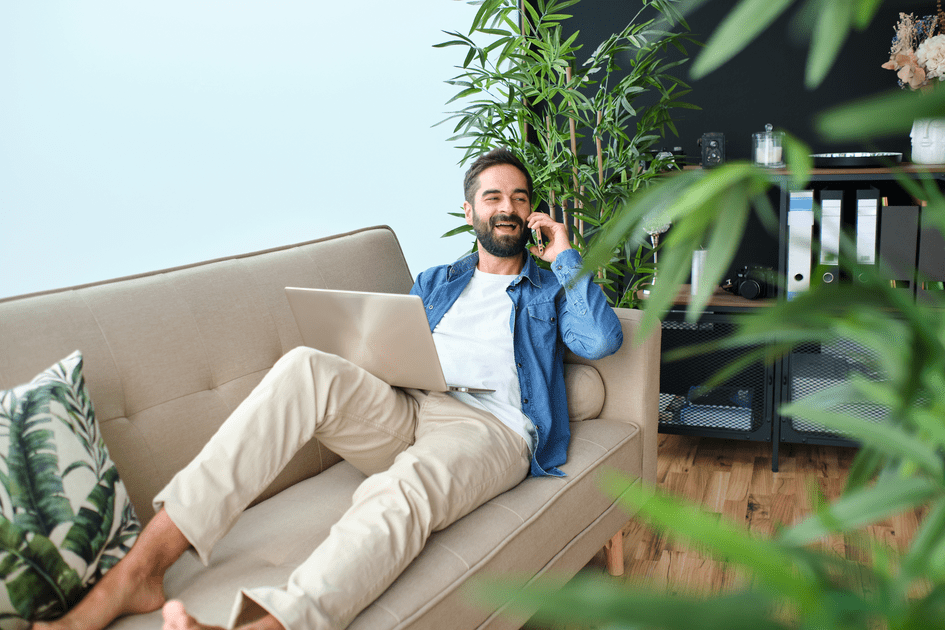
x=734 y=479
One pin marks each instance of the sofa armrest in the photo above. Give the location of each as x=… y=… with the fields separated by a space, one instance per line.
x=631 y=383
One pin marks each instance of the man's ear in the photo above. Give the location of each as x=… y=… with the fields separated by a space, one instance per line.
x=468 y=209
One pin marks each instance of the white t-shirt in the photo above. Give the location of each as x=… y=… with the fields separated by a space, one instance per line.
x=474 y=341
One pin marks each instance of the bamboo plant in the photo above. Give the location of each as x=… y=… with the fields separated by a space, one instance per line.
x=587 y=125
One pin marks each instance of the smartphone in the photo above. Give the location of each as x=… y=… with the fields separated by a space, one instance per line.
x=539 y=241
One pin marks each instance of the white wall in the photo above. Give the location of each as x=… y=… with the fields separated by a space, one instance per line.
x=141 y=135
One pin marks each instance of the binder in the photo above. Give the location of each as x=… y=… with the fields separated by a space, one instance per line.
x=831 y=209
x=800 y=220
x=931 y=255
x=867 y=216
x=898 y=244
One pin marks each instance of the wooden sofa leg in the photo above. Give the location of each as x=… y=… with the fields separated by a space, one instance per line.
x=614 y=552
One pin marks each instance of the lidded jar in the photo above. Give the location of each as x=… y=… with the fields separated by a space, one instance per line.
x=767 y=148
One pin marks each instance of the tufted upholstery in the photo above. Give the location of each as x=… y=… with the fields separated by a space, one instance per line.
x=169 y=354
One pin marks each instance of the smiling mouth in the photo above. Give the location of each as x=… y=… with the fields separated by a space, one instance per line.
x=504 y=224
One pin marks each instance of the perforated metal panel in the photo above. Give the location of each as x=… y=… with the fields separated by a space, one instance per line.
x=815 y=367
x=687 y=405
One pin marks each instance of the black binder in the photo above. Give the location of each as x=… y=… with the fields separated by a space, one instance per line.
x=898 y=239
x=931 y=255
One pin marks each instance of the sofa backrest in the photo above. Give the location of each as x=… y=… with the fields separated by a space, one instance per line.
x=169 y=354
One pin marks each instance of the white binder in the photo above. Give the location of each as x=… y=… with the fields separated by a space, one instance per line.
x=800 y=221
x=867 y=217
x=831 y=207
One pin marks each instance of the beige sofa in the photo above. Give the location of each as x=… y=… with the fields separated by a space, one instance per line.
x=169 y=354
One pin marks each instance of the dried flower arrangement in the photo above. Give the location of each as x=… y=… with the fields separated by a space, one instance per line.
x=918 y=50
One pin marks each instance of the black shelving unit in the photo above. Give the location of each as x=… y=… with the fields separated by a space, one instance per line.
x=814 y=367
x=746 y=406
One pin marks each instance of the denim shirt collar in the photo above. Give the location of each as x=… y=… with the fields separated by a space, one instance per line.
x=464 y=267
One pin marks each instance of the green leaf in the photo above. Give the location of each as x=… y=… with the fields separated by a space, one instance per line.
x=40 y=584
x=469 y=57
x=864 y=12
x=917 y=560
x=799 y=161
x=886 y=498
x=887 y=114
x=92 y=525
x=739 y=28
x=830 y=32
x=488 y=9
x=884 y=437
x=608 y=604
x=454 y=42
x=766 y=559
x=464 y=94
x=39 y=499
x=118 y=546
x=463 y=229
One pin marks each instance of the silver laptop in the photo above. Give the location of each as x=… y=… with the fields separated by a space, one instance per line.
x=387 y=334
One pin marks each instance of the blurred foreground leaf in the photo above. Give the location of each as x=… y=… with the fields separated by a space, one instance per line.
x=887 y=114
x=605 y=603
x=739 y=28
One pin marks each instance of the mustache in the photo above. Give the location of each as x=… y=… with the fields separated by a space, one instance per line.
x=505 y=218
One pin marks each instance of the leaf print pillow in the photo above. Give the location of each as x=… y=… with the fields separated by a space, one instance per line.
x=65 y=517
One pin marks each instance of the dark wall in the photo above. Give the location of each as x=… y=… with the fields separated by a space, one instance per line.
x=765 y=83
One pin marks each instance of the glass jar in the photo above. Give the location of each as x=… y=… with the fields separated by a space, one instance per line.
x=767 y=148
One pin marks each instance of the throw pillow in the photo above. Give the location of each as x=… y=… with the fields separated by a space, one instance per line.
x=65 y=517
x=585 y=390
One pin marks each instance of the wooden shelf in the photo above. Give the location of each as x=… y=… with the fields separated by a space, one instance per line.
x=719 y=298
x=907 y=167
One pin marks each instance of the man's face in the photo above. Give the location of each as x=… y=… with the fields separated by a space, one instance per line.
x=499 y=212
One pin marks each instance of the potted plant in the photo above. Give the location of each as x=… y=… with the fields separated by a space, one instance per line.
x=588 y=125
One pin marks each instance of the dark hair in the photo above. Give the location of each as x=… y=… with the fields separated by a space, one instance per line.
x=492 y=158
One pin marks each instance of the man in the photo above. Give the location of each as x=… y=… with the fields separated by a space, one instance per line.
x=499 y=322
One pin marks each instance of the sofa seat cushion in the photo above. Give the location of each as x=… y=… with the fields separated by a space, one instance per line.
x=518 y=532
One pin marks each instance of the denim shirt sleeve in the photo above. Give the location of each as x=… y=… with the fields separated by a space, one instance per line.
x=588 y=325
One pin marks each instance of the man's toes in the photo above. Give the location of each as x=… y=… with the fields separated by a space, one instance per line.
x=176 y=617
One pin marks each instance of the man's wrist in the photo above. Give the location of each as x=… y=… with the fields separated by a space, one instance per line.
x=567 y=264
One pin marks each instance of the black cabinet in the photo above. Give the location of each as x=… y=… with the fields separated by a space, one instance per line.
x=815 y=367
x=739 y=408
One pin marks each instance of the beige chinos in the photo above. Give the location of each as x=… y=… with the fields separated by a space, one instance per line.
x=430 y=459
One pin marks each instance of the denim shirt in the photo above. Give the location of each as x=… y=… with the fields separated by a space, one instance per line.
x=551 y=310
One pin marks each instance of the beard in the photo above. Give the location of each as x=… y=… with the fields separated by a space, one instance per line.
x=500 y=245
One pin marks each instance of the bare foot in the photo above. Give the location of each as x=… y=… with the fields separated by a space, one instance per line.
x=176 y=618
x=122 y=591
x=134 y=585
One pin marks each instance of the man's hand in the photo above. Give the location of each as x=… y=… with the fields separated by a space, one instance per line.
x=553 y=233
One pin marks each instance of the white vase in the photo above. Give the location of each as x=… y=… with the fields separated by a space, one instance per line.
x=928 y=141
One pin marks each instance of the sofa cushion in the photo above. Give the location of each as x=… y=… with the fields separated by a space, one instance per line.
x=585 y=391
x=518 y=532
x=68 y=518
